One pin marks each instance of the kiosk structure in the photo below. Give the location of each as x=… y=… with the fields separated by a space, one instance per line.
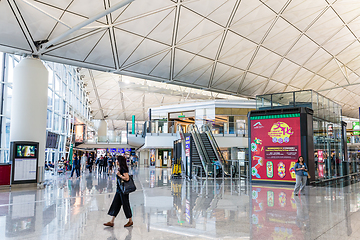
x=24 y=158
x=277 y=138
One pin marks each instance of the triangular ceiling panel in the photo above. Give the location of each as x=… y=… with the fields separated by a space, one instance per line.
x=302 y=50
x=265 y=62
x=254 y=22
x=88 y=10
x=224 y=73
x=162 y=69
x=141 y=8
x=206 y=46
x=221 y=14
x=211 y=9
x=286 y=71
x=277 y=5
x=303 y=13
x=78 y=50
x=194 y=69
x=325 y=27
x=146 y=66
x=146 y=24
x=237 y=51
x=10 y=31
x=146 y=49
x=163 y=31
x=282 y=32
x=100 y=54
x=34 y=18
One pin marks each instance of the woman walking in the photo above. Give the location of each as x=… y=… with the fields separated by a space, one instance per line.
x=301 y=175
x=120 y=198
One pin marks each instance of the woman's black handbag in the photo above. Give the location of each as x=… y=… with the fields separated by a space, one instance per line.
x=127 y=187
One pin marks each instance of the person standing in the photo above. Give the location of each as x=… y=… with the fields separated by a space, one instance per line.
x=106 y=158
x=75 y=166
x=89 y=164
x=301 y=175
x=120 y=199
x=101 y=164
x=110 y=164
x=83 y=162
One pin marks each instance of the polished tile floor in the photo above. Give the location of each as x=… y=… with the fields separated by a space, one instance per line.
x=176 y=209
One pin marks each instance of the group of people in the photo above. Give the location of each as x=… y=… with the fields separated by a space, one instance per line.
x=105 y=164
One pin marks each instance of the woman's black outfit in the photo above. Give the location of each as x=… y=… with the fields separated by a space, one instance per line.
x=120 y=199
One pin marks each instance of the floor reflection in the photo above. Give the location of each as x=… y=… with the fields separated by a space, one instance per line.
x=165 y=208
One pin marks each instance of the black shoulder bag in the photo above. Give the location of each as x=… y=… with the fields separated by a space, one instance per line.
x=127 y=187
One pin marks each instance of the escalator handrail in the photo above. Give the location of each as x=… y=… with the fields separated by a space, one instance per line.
x=208 y=161
x=214 y=144
x=199 y=146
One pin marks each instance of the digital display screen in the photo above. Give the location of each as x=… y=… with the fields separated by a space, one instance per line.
x=275 y=147
x=25 y=151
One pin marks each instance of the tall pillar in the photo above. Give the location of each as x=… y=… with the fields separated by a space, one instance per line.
x=29 y=106
x=102 y=131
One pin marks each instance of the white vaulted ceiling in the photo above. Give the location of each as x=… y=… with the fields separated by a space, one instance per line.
x=240 y=47
x=117 y=98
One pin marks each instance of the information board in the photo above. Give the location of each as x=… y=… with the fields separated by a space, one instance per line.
x=25 y=169
x=275 y=147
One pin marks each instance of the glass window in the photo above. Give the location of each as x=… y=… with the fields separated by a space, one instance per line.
x=8 y=101
x=49 y=119
x=57 y=103
x=50 y=98
x=57 y=84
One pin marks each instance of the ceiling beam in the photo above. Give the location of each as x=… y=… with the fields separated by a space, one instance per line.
x=101 y=14
x=96 y=93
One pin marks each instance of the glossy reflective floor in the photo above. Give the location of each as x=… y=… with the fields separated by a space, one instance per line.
x=177 y=209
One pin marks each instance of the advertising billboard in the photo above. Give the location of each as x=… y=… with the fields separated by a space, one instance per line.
x=356 y=128
x=275 y=147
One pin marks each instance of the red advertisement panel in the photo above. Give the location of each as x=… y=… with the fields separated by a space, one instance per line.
x=275 y=147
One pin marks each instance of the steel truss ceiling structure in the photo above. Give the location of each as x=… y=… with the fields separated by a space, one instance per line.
x=240 y=47
x=116 y=98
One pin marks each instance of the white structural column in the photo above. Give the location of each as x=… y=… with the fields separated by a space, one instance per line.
x=102 y=131
x=29 y=106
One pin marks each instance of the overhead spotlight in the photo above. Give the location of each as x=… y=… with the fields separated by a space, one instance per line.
x=78 y=69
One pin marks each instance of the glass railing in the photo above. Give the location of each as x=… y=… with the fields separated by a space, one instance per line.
x=110 y=139
x=238 y=169
x=238 y=129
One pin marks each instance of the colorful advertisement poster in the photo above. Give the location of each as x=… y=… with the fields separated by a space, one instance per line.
x=187 y=146
x=276 y=213
x=152 y=157
x=356 y=128
x=275 y=147
x=100 y=152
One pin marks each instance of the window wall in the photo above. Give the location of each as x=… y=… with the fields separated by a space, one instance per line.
x=66 y=98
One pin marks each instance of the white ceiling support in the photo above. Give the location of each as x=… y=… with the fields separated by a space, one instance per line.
x=46 y=13
x=22 y=24
x=336 y=87
x=342 y=71
x=96 y=93
x=84 y=24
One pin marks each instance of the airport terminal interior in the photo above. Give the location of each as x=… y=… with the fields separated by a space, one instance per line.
x=234 y=119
